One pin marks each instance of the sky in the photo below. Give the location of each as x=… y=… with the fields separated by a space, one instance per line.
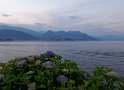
x=95 y=17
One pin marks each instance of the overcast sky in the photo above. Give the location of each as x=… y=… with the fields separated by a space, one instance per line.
x=90 y=16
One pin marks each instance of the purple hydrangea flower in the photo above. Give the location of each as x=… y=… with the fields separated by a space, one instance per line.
x=24 y=58
x=20 y=64
x=36 y=57
x=62 y=79
x=48 y=63
x=2 y=76
x=85 y=78
x=49 y=54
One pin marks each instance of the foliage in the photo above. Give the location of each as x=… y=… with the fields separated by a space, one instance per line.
x=48 y=72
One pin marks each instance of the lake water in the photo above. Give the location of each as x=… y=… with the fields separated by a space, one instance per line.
x=87 y=54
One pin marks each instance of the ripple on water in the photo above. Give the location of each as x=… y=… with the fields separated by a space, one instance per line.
x=86 y=54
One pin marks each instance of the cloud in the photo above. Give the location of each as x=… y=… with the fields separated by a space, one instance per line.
x=5 y=15
x=89 y=16
x=73 y=17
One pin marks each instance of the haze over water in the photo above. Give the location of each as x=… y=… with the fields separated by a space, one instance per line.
x=87 y=54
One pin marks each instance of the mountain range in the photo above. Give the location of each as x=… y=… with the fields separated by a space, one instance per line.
x=63 y=35
x=19 y=33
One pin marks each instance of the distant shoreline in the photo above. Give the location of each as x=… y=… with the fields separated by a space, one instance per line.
x=45 y=40
x=10 y=40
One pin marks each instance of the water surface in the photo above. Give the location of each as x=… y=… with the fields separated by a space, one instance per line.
x=87 y=54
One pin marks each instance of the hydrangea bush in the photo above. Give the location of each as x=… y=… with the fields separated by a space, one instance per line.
x=48 y=72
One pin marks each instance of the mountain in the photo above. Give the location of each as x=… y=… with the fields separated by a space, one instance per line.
x=70 y=35
x=49 y=35
x=9 y=34
x=25 y=30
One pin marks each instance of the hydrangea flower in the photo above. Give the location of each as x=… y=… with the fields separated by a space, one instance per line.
x=47 y=64
x=36 y=57
x=2 y=76
x=0 y=67
x=112 y=74
x=65 y=71
x=20 y=64
x=30 y=72
x=32 y=86
x=24 y=58
x=37 y=62
x=85 y=78
x=62 y=79
x=49 y=54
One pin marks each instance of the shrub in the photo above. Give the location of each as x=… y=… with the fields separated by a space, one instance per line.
x=48 y=72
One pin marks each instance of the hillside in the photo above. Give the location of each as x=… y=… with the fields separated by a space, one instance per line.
x=70 y=35
x=25 y=30
x=8 y=34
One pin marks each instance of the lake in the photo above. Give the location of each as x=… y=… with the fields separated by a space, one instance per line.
x=87 y=54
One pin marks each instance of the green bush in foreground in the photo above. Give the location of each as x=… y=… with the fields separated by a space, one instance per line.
x=48 y=72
